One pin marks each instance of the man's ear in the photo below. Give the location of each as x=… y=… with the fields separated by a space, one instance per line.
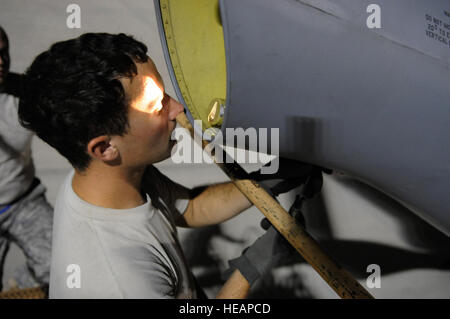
x=102 y=148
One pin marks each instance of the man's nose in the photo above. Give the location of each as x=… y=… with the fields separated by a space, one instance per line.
x=175 y=108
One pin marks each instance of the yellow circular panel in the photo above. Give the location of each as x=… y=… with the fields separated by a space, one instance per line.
x=195 y=43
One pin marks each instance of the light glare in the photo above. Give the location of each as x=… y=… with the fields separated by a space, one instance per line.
x=151 y=97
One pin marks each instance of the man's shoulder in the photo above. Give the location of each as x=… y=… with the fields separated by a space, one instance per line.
x=70 y=230
x=62 y=197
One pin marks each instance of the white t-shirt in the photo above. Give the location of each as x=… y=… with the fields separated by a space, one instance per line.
x=120 y=253
x=16 y=166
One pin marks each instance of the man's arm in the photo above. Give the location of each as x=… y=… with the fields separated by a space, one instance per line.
x=256 y=260
x=214 y=205
x=236 y=287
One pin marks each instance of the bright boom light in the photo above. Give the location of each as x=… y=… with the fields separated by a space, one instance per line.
x=150 y=100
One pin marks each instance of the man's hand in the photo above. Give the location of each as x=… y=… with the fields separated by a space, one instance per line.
x=291 y=174
x=265 y=253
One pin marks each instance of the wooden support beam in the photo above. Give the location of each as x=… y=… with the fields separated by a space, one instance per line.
x=336 y=277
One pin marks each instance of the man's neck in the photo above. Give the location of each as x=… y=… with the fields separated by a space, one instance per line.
x=109 y=187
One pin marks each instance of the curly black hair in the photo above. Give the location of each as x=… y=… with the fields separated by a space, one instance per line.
x=72 y=92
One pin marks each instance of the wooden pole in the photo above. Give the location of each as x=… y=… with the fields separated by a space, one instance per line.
x=336 y=277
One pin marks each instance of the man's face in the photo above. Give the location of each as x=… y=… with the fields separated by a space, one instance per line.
x=151 y=117
x=4 y=58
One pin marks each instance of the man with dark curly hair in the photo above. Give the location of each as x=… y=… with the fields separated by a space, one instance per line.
x=100 y=102
x=25 y=214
